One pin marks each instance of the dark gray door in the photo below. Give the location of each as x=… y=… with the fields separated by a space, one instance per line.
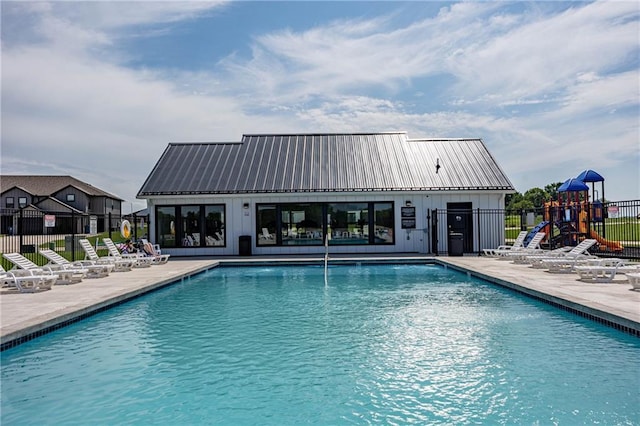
x=460 y=220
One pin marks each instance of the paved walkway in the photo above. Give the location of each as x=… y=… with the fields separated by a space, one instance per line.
x=28 y=314
x=615 y=301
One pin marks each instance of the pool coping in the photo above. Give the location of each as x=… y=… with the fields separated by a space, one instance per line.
x=112 y=292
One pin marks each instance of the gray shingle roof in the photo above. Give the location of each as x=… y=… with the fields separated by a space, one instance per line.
x=41 y=185
x=324 y=163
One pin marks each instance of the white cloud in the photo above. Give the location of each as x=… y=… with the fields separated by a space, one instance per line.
x=71 y=107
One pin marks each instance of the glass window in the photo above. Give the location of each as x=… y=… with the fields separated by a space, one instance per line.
x=71 y=197
x=301 y=224
x=383 y=219
x=214 y=226
x=22 y=201
x=166 y=226
x=190 y=216
x=9 y=202
x=267 y=225
x=349 y=223
x=305 y=224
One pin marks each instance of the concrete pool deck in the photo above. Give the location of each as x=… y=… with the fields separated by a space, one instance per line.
x=27 y=315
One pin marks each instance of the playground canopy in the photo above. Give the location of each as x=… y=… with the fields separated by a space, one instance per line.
x=590 y=176
x=573 y=185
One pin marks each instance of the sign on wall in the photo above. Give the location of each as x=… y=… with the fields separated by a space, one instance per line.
x=408 y=217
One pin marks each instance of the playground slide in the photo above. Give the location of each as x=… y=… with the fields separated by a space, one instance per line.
x=611 y=245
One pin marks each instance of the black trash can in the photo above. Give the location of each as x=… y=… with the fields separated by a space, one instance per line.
x=456 y=244
x=244 y=243
x=28 y=248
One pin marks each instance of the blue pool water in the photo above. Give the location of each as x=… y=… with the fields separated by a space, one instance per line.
x=379 y=344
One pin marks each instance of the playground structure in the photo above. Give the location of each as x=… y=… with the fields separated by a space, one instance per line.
x=575 y=216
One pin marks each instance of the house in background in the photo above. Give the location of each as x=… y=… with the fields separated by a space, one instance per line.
x=74 y=204
x=283 y=193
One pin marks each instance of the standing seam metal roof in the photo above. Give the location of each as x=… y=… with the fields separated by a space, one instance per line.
x=324 y=163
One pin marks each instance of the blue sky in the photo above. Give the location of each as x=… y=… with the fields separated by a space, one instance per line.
x=97 y=90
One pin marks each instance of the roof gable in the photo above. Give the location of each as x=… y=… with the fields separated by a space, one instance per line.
x=40 y=185
x=324 y=163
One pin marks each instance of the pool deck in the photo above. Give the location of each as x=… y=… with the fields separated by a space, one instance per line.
x=26 y=315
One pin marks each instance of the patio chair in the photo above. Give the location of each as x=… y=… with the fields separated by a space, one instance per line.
x=266 y=235
x=604 y=270
x=65 y=276
x=151 y=251
x=94 y=270
x=27 y=281
x=634 y=280
x=139 y=260
x=519 y=253
x=502 y=248
x=119 y=265
x=567 y=262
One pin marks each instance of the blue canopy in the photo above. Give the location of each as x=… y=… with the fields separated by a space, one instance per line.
x=590 y=176
x=573 y=185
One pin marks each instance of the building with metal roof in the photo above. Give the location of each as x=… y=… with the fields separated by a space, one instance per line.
x=283 y=193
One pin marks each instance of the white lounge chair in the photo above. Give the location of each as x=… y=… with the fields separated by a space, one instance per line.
x=26 y=281
x=65 y=276
x=634 y=280
x=519 y=241
x=567 y=262
x=532 y=247
x=604 y=270
x=139 y=261
x=153 y=251
x=94 y=270
x=579 y=252
x=120 y=265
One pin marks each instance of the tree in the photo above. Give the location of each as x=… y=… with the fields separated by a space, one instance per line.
x=518 y=202
x=552 y=190
x=536 y=196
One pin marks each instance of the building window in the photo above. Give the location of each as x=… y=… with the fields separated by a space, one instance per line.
x=22 y=202
x=166 y=226
x=191 y=222
x=214 y=226
x=349 y=223
x=383 y=223
x=71 y=198
x=191 y=226
x=302 y=224
x=9 y=202
x=267 y=225
x=306 y=224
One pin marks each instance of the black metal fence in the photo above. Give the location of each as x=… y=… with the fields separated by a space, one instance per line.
x=615 y=225
x=27 y=230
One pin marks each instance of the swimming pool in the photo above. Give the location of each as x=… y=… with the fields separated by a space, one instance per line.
x=379 y=343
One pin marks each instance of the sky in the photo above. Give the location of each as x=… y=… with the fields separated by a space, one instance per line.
x=97 y=90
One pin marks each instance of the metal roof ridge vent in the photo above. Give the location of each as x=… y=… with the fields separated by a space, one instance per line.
x=205 y=143
x=443 y=139
x=399 y=132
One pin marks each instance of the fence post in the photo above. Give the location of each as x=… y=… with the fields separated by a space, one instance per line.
x=73 y=236
x=478 y=230
x=426 y=230
x=434 y=231
x=21 y=230
x=108 y=224
x=523 y=220
x=135 y=227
